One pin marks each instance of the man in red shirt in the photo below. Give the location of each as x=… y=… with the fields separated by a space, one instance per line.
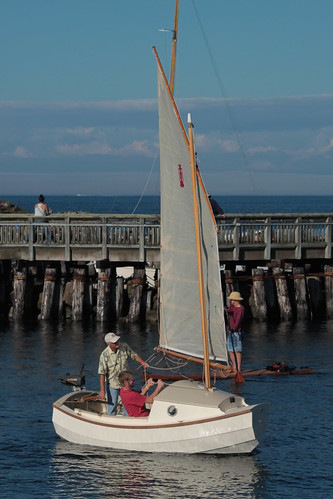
x=133 y=401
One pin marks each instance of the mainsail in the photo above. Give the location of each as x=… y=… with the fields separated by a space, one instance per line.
x=180 y=321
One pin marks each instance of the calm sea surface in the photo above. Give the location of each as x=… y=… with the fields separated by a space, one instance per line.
x=294 y=460
x=151 y=204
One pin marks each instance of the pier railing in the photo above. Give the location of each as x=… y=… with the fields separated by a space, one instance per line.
x=130 y=238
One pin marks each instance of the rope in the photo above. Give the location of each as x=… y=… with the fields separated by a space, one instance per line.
x=148 y=180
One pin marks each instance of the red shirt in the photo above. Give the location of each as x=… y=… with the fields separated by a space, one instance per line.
x=134 y=403
x=236 y=315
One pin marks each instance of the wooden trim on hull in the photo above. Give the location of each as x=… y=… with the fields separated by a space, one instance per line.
x=149 y=427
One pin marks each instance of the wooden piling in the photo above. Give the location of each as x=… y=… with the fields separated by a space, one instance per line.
x=282 y=294
x=259 y=308
x=78 y=293
x=302 y=308
x=5 y=282
x=135 y=309
x=315 y=297
x=48 y=293
x=89 y=297
x=68 y=299
x=328 y=274
x=61 y=290
x=103 y=295
x=229 y=282
x=119 y=296
x=19 y=287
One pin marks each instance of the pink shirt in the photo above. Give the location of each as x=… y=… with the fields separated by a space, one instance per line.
x=134 y=403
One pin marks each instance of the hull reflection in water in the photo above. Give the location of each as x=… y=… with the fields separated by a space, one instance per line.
x=126 y=474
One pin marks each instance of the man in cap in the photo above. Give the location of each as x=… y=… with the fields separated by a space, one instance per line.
x=234 y=340
x=113 y=360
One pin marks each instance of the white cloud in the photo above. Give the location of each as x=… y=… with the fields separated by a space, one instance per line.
x=229 y=146
x=84 y=149
x=20 y=152
x=81 y=131
x=261 y=149
x=94 y=148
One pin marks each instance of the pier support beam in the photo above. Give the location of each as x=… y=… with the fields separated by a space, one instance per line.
x=316 y=297
x=89 y=297
x=19 y=285
x=300 y=294
x=135 y=309
x=119 y=296
x=328 y=273
x=5 y=285
x=282 y=294
x=61 y=290
x=78 y=293
x=229 y=282
x=259 y=307
x=48 y=293
x=103 y=295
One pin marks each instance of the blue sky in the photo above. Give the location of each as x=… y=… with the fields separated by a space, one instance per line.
x=78 y=110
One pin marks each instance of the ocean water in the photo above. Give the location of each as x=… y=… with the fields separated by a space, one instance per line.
x=293 y=461
x=151 y=204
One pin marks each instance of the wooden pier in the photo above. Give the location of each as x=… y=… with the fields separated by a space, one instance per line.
x=67 y=267
x=130 y=238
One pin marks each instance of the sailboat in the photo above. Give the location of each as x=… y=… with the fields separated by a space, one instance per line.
x=187 y=416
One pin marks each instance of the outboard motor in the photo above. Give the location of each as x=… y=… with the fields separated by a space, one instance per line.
x=76 y=382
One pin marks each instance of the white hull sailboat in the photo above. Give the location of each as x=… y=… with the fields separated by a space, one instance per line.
x=186 y=416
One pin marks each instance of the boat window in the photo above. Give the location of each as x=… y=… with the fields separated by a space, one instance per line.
x=172 y=411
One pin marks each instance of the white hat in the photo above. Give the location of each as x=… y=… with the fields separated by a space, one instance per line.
x=111 y=338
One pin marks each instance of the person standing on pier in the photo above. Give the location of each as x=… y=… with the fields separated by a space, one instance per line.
x=113 y=360
x=41 y=208
x=234 y=340
x=42 y=211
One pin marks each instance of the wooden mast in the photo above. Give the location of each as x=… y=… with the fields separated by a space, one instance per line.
x=199 y=256
x=174 y=47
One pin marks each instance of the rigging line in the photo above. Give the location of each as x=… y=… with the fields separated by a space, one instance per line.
x=242 y=145
x=149 y=176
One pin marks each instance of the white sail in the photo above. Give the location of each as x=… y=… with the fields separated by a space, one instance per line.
x=180 y=320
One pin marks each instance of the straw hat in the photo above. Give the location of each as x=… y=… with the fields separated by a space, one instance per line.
x=235 y=295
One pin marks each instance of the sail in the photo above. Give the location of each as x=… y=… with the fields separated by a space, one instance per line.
x=180 y=320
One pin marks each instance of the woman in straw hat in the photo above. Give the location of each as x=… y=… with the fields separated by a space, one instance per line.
x=234 y=340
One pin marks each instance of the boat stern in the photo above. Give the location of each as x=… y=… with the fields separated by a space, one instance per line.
x=260 y=413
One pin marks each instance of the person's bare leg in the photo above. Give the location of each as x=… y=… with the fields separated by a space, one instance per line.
x=239 y=360
x=233 y=361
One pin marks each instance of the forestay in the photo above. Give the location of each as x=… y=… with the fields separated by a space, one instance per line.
x=180 y=321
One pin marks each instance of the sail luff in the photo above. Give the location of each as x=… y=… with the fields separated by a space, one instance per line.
x=180 y=320
x=199 y=256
